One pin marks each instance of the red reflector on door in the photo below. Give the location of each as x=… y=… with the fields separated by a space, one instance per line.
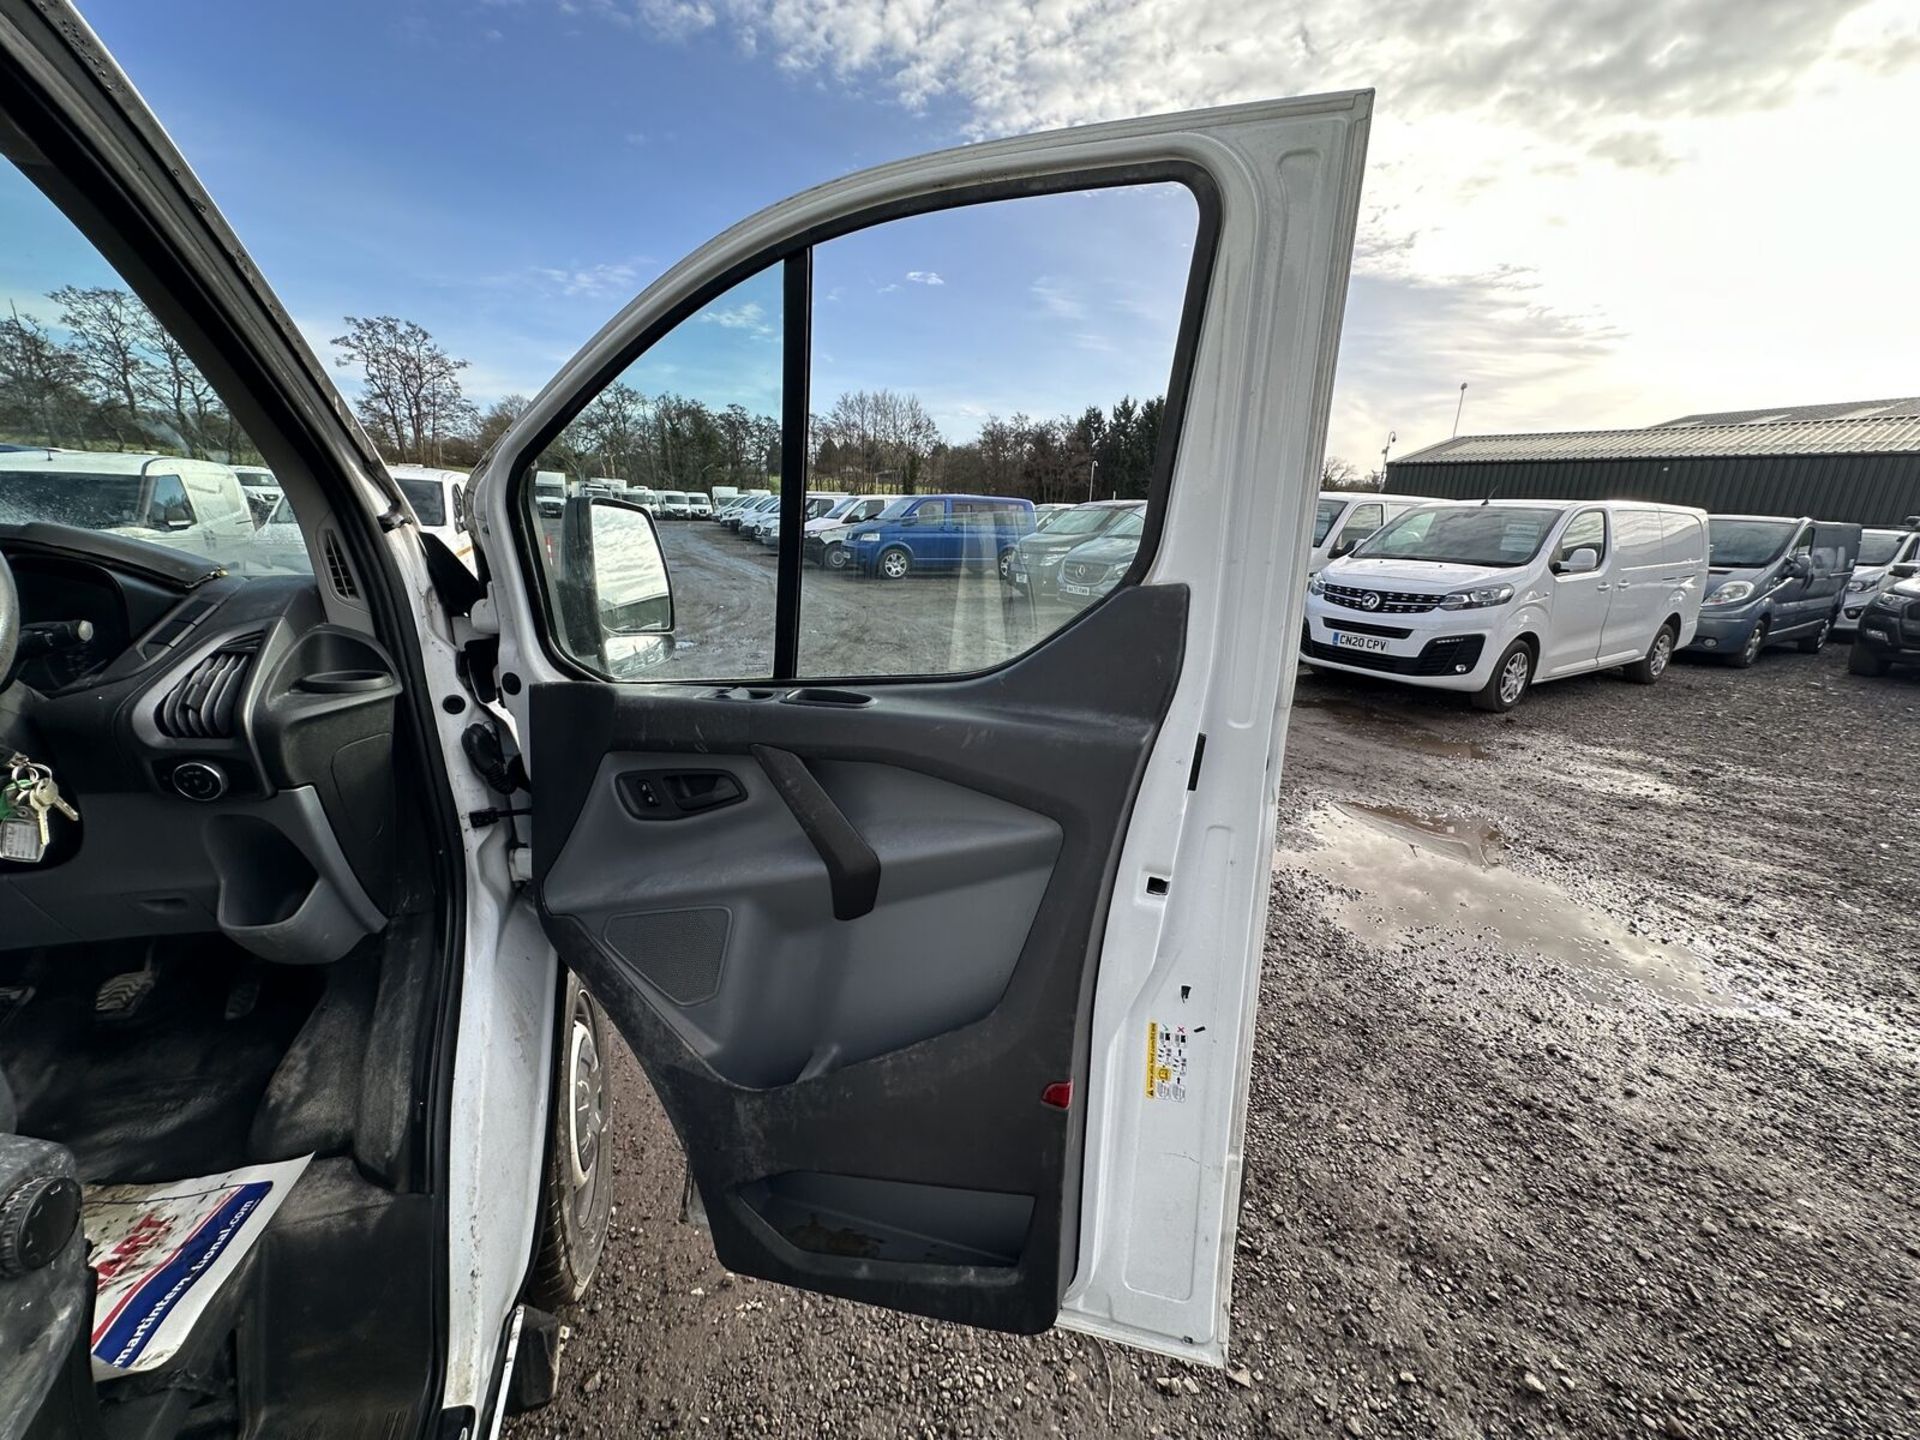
x=1059 y=1094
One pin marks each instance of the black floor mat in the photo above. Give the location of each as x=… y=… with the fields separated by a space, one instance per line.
x=170 y=1091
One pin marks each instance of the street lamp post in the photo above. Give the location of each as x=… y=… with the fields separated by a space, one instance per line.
x=1458 y=407
x=1384 y=450
x=1092 y=465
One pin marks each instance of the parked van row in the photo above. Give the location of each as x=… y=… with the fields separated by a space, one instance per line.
x=893 y=536
x=1491 y=598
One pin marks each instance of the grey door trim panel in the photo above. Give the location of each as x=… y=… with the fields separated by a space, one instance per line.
x=1064 y=732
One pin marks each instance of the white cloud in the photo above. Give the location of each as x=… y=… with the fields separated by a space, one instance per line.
x=925 y=277
x=747 y=316
x=1600 y=213
x=615 y=279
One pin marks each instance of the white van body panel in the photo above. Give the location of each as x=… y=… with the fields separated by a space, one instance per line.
x=1653 y=572
x=1352 y=502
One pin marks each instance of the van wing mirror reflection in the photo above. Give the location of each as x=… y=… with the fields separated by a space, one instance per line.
x=611 y=586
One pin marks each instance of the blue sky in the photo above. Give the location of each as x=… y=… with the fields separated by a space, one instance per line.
x=1594 y=214
x=508 y=175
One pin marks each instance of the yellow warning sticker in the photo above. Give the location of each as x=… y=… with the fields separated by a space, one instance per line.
x=1166 y=1062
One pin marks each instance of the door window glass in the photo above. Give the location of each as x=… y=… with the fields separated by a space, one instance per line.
x=1362 y=523
x=1586 y=531
x=701 y=407
x=98 y=399
x=1006 y=354
x=964 y=366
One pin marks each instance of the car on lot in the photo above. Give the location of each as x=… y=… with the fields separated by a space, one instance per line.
x=1093 y=569
x=674 y=505
x=1889 y=633
x=1343 y=518
x=929 y=534
x=193 y=505
x=1880 y=550
x=1035 y=567
x=308 y=1018
x=698 y=506
x=1491 y=598
x=1773 y=580
x=435 y=497
x=825 y=540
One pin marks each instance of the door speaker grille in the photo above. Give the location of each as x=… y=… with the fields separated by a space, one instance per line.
x=678 y=951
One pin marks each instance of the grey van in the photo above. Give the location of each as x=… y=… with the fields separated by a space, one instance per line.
x=1772 y=579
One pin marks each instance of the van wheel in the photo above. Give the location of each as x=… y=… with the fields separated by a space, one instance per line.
x=1865 y=660
x=895 y=563
x=835 y=557
x=577 y=1189
x=1651 y=666
x=1507 y=686
x=1006 y=562
x=1817 y=641
x=1750 y=652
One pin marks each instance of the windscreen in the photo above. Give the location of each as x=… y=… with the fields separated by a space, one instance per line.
x=1468 y=535
x=70 y=497
x=1086 y=520
x=1747 y=544
x=1878 y=547
x=1323 y=518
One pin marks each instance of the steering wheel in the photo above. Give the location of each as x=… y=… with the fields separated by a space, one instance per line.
x=9 y=619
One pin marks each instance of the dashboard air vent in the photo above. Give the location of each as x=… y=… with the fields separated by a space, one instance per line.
x=202 y=705
x=339 y=573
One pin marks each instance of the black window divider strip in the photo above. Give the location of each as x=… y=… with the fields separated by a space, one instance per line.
x=796 y=342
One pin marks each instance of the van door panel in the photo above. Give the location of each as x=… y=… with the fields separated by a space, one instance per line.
x=1579 y=617
x=1639 y=596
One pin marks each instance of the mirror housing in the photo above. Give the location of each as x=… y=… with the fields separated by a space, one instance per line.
x=1799 y=567
x=1905 y=570
x=611 y=586
x=1583 y=561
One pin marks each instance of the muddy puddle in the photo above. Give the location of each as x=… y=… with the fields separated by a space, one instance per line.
x=1386 y=728
x=1399 y=874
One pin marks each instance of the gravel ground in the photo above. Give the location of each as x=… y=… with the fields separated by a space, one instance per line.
x=1586 y=1101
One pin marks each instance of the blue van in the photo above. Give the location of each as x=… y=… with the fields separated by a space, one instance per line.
x=930 y=533
x=1773 y=579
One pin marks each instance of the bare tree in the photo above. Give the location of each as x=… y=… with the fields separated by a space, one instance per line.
x=41 y=382
x=110 y=331
x=1339 y=474
x=411 y=398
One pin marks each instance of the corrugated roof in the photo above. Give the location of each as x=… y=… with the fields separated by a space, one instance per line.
x=1783 y=414
x=1893 y=435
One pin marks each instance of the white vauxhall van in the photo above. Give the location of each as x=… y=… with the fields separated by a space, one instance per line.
x=1490 y=598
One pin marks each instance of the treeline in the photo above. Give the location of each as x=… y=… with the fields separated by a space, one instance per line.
x=109 y=376
x=869 y=441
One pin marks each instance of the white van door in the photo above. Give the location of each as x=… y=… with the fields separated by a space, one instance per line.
x=1577 y=623
x=1064 y=1145
x=1639 y=595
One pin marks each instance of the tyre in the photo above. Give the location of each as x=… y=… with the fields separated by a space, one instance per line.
x=1651 y=666
x=834 y=557
x=577 y=1189
x=1511 y=677
x=1006 y=562
x=1750 y=652
x=1816 y=642
x=894 y=563
x=1865 y=660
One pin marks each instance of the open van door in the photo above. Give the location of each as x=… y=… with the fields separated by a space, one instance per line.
x=947 y=982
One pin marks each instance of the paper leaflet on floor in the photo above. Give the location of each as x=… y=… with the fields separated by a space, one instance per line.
x=162 y=1251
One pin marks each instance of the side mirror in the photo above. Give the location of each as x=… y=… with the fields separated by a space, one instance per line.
x=1904 y=571
x=1799 y=567
x=612 y=589
x=1583 y=561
